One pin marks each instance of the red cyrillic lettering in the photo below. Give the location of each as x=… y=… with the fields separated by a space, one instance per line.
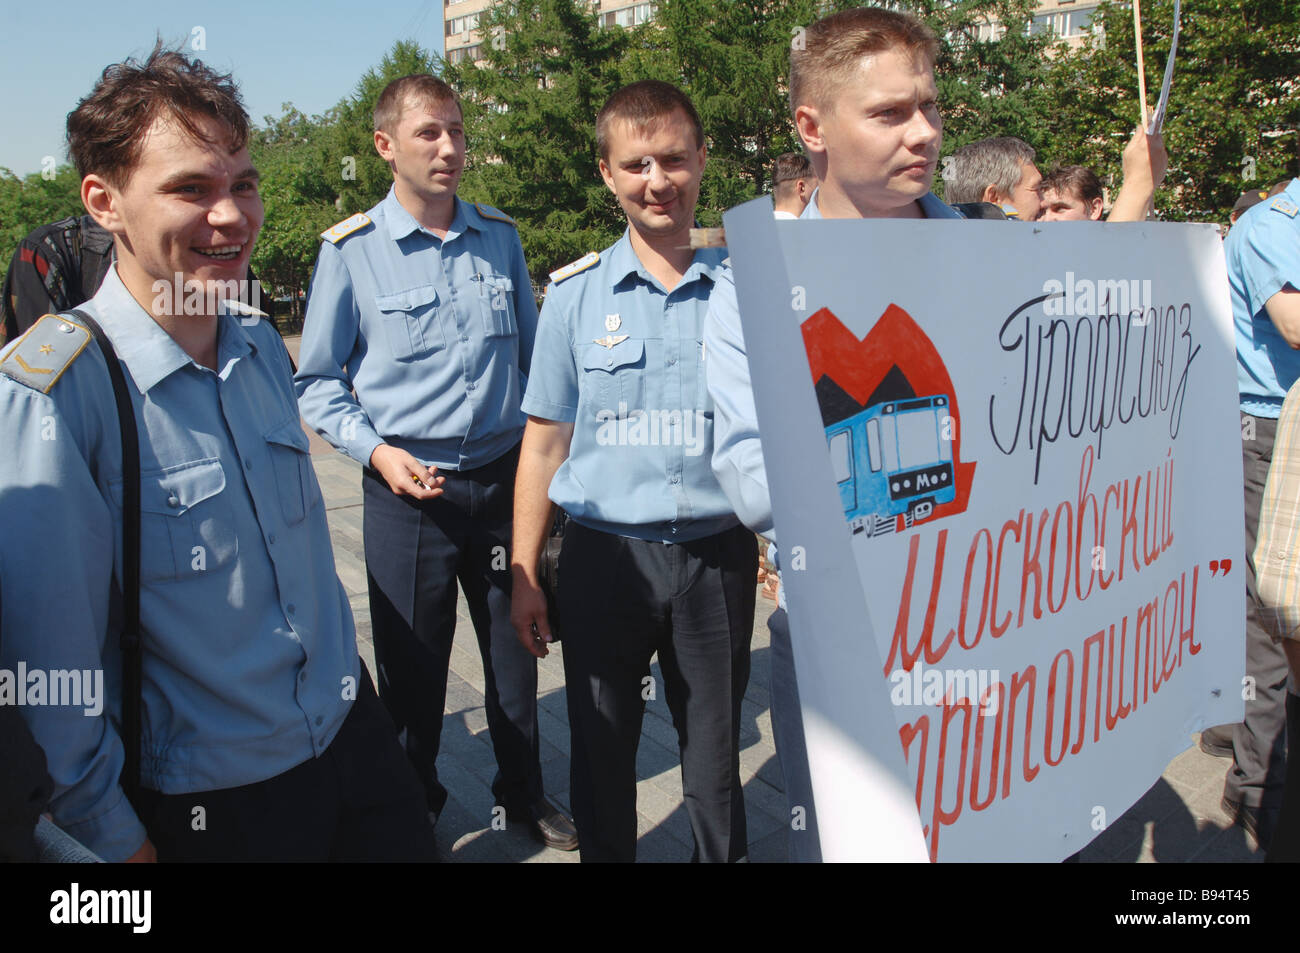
x=1100 y=639
x=1113 y=715
x=965 y=589
x=1129 y=527
x=942 y=818
x=1032 y=567
x=1069 y=554
x=1051 y=707
x=995 y=627
x=1018 y=681
x=986 y=699
x=1186 y=633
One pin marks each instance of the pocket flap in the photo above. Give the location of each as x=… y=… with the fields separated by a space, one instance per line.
x=172 y=492
x=601 y=358
x=289 y=434
x=407 y=300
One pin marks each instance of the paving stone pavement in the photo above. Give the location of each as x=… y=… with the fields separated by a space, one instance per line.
x=1178 y=819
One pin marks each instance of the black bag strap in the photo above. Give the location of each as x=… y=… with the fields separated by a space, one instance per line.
x=132 y=655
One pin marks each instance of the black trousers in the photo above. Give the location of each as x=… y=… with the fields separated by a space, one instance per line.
x=359 y=801
x=415 y=552
x=791 y=748
x=1259 y=743
x=622 y=600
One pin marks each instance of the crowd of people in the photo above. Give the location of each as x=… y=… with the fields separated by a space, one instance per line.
x=159 y=487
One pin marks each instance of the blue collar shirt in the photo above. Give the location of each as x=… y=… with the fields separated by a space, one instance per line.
x=250 y=658
x=419 y=341
x=620 y=357
x=1263 y=256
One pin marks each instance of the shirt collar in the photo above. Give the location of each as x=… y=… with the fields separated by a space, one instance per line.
x=402 y=223
x=623 y=262
x=150 y=353
x=931 y=207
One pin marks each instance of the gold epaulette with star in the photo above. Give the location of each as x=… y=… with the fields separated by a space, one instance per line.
x=40 y=356
x=1285 y=206
x=336 y=233
x=495 y=214
x=574 y=267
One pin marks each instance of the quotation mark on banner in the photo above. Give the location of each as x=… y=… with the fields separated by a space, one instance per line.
x=1217 y=564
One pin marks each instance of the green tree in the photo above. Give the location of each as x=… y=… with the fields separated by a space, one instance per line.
x=33 y=201
x=1234 y=105
x=530 y=114
x=353 y=136
x=300 y=192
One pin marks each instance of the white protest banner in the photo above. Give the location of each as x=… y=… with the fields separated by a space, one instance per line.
x=1006 y=479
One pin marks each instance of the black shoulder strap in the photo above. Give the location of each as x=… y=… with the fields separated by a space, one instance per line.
x=132 y=656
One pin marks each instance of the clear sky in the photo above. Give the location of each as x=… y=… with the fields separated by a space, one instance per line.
x=307 y=53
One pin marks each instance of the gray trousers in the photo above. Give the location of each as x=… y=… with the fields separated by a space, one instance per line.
x=1258 y=772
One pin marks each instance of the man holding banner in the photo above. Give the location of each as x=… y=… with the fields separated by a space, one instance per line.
x=864 y=101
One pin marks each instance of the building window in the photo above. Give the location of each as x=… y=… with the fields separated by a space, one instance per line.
x=474 y=52
x=463 y=24
x=1065 y=23
x=629 y=16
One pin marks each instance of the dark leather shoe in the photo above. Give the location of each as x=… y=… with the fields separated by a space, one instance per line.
x=1259 y=823
x=1217 y=741
x=548 y=824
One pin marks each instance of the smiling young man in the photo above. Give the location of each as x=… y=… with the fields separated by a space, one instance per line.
x=419 y=331
x=262 y=735
x=620 y=431
x=864 y=102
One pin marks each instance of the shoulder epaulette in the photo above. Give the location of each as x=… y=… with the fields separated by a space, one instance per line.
x=495 y=214
x=39 y=357
x=1285 y=206
x=336 y=233
x=574 y=267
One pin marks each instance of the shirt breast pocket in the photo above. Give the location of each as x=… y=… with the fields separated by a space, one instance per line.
x=615 y=377
x=410 y=320
x=497 y=302
x=295 y=479
x=186 y=526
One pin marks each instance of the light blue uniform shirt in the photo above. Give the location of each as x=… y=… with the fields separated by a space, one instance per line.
x=619 y=357
x=435 y=336
x=250 y=657
x=1263 y=253
x=737 y=452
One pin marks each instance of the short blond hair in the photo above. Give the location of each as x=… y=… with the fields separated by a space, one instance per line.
x=825 y=58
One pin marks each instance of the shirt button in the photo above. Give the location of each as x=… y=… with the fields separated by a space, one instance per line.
x=609 y=362
x=319 y=720
x=248 y=464
x=469 y=385
x=676 y=478
x=674 y=530
x=173 y=501
x=271 y=539
x=292 y=608
x=672 y=361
